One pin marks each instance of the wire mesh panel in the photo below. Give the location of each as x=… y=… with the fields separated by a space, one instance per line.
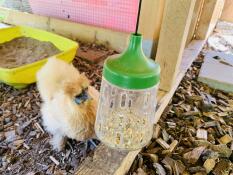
x=119 y=15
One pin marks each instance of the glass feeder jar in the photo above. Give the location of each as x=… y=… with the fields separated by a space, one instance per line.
x=127 y=104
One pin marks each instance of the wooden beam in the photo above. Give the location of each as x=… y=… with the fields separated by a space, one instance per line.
x=110 y=38
x=15 y=17
x=212 y=10
x=86 y=33
x=112 y=162
x=195 y=18
x=173 y=35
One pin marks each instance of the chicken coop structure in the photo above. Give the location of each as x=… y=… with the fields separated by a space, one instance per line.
x=174 y=31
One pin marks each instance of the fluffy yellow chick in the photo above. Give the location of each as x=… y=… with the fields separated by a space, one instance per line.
x=68 y=110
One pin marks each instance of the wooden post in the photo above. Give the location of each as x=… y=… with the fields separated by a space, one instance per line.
x=150 y=24
x=173 y=35
x=212 y=10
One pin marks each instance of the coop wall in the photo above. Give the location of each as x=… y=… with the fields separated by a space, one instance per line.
x=106 y=22
x=114 y=16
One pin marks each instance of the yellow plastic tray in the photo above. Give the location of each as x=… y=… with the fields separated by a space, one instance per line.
x=24 y=75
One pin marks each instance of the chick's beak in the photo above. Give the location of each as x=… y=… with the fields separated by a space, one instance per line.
x=81 y=98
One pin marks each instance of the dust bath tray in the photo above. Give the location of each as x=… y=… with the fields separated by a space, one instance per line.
x=24 y=75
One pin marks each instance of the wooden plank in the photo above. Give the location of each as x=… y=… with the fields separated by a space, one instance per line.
x=15 y=17
x=212 y=10
x=86 y=33
x=151 y=28
x=196 y=16
x=173 y=35
x=110 y=38
x=227 y=13
x=112 y=162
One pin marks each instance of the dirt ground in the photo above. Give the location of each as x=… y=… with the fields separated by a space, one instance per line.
x=198 y=123
x=24 y=145
x=25 y=50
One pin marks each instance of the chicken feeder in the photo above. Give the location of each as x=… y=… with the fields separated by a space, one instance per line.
x=127 y=104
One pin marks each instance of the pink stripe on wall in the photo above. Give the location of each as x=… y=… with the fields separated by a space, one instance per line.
x=120 y=15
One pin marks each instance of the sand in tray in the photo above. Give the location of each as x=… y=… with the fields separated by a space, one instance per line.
x=25 y=50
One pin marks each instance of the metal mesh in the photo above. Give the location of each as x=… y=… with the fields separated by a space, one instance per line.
x=120 y=15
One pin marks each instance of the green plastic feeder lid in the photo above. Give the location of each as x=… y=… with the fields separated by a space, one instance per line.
x=132 y=69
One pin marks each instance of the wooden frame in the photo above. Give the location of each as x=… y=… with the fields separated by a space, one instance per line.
x=173 y=35
x=177 y=20
x=209 y=17
x=179 y=16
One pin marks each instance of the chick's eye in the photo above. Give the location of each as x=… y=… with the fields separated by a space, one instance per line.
x=78 y=96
